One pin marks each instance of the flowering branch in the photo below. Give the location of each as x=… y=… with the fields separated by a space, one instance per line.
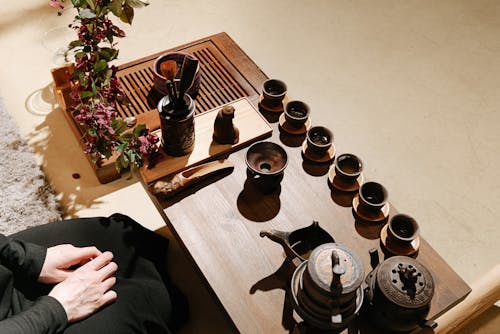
x=96 y=90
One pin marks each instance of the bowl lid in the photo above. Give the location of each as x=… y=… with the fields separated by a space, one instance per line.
x=405 y=282
x=321 y=268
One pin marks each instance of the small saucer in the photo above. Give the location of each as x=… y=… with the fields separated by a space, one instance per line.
x=396 y=249
x=279 y=108
x=340 y=184
x=290 y=129
x=370 y=216
x=313 y=156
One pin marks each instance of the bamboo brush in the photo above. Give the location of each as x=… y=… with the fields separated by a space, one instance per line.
x=169 y=71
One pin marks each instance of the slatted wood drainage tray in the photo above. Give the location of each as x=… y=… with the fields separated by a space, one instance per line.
x=224 y=78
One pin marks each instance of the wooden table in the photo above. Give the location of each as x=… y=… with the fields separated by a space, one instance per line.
x=218 y=224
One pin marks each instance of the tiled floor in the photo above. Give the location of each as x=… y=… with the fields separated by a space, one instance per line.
x=411 y=87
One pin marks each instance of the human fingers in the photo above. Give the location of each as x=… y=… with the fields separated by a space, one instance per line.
x=90 y=252
x=81 y=255
x=108 y=297
x=108 y=283
x=108 y=270
x=100 y=261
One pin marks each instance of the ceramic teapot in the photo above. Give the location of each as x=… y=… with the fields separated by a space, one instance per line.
x=326 y=289
x=398 y=293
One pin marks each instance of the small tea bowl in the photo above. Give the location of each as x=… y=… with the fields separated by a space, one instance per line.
x=273 y=92
x=319 y=139
x=372 y=196
x=266 y=162
x=402 y=229
x=348 y=167
x=160 y=81
x=296 y=113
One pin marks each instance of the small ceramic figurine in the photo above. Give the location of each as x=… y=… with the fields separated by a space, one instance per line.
x=224 y=130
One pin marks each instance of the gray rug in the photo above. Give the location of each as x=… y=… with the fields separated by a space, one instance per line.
x=26 y=199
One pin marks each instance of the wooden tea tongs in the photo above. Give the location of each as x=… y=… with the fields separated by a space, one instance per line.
x=171 y=185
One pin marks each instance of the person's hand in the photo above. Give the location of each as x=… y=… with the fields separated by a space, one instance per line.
x=88 y=288
x=61 y=258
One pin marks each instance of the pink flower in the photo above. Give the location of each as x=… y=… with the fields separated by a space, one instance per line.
x=58 y=4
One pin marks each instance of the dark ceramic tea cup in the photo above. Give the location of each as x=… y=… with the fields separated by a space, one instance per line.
x=296 y=113
x=319 y=139
x=273 y=93
x=402 y=229
x=266 y=162
x=372 y=196
x=348 y=167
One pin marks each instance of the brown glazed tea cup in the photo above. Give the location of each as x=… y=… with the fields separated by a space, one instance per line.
x=402 y=229
x=372 y=196
x=296 y=113
x=266 y=162
x=319 y=139
x=273 y=92
x=348 y=167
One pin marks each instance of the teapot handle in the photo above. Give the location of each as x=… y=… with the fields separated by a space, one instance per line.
x=374 y=259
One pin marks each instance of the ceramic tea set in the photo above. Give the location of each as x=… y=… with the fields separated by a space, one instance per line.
x=328 y=286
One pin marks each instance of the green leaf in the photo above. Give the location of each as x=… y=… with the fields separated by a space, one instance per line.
x=91 y=4
x=87 y=94
x=79 y=54
x=127 y=14
x=107 y=78
x=74 y=44
x=82 y=79
x=127 y=136
x=137 y=3
x=131 y=155
x=116 y=7
x=119 y=125
x=78 y=3
x=121 y=147
x=138 y=130
x=108 y=54
x=123 y=160
x=86 y=48
x=92 y=132
x=100 y=65
x=103 y=147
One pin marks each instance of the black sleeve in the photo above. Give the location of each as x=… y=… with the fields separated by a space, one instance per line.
x=46 y=316
x=22 y=258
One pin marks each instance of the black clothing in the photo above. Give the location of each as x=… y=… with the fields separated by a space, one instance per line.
x=143 y=304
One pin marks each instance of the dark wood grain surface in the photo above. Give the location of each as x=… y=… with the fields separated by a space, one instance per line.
x=219 y=221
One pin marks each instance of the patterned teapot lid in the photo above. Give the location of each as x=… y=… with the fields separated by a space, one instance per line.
x=405 y=282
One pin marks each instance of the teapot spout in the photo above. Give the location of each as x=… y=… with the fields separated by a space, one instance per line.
x=281 y=238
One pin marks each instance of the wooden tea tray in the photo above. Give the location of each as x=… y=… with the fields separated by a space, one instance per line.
x=227 y=74
x=251 y=124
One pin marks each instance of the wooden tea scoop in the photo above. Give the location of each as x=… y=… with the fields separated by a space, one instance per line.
x=172 y=185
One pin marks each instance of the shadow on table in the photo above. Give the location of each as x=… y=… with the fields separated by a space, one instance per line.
x=66 y=166
x=313 y=168
x=280 y=279
x=257 y=206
